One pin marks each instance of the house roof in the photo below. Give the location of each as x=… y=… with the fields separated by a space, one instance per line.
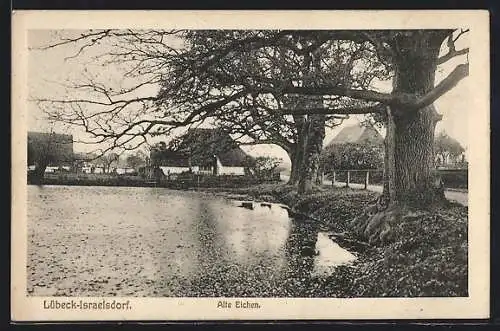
x=201 y=144
x=357 y=134
x=173 y=159
x=233 y=158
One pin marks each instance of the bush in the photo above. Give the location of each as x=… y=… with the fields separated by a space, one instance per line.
x=352 y=156
x=227 y=181
x=454 y=178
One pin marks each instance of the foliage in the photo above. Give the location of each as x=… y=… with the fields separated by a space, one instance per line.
x=135 y=160
x=233 y=77
x=49 y=148
x=376 y=177
x=445 y=146
x=203 y=144
x=352 y=156
x=200 y=145
x=454 y=178
x=266 y=166
x=107 y=160
x=239 y=79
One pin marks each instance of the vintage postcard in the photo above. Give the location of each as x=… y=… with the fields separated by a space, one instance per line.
x=250 y=165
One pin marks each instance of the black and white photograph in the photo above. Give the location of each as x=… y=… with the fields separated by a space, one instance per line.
x=258 y=171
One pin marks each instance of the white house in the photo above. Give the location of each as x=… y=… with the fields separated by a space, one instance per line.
x=171 y=162
x=231 y=163
x=53 y=169
x=124 y=171
x=169 y=170
x=203 y=151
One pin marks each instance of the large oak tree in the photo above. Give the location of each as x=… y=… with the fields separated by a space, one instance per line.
x=201 y=65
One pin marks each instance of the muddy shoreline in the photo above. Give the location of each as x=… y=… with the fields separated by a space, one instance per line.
x=428 y=259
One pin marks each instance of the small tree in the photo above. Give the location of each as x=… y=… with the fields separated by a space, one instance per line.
x=107 y=160
x=46 y=149
x=446 y=147
x=135 y=160
x=265 y=166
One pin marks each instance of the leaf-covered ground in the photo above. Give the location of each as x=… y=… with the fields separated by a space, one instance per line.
x=427 y=258
x=113 y=241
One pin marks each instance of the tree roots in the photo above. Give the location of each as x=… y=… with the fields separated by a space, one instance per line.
x=379 y=221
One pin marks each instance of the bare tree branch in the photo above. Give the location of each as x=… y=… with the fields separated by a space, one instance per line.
x=451 y=54
x=459 y=73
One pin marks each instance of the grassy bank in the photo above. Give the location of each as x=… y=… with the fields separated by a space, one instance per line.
x=185 y=181
x=428 y=258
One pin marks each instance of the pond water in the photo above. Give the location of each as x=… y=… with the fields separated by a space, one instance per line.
x=119 y=241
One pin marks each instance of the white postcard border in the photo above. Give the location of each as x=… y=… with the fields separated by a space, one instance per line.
x=475 y=306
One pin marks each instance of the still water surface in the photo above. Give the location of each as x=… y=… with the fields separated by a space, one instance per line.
x=107 y=241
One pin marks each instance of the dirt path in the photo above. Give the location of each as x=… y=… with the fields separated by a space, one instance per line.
x=457 y=196
x=462 y=197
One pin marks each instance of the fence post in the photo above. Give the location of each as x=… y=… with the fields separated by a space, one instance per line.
x=333 y=179
x=348 y=178
x=367 y=179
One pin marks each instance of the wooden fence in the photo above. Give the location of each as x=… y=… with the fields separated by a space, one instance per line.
x=361 y=175
x=452 y=178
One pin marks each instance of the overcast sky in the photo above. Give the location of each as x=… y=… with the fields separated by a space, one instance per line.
x=47 y=68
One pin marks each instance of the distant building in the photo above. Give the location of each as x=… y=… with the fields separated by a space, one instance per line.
x=449 y=153
x=173 y=162
x=231 y=162
x=124 y=171
x=208 y=151
x=354 y=147
x=358 y=134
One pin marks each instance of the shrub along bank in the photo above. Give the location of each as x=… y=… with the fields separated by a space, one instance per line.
x=183 y=181
x=427 y=258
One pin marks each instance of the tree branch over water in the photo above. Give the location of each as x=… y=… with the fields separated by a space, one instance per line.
x=228 y=76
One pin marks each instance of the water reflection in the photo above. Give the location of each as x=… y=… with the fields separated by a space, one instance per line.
x=329 y=255
x=107 y=241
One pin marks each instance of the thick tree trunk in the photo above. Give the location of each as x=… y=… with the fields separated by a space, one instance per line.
x=298 y=153
x=409 y=180
x=315 y=134
x=389 y=164
x=389 y=190
x=312 y=151
x=38 y=174
x=415 y=183
x=294 y=171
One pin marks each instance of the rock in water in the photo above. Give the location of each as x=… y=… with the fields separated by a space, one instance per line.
x=247 y=205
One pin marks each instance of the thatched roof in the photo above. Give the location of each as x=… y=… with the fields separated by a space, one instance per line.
x=357 y=134
x=202 y=144
x=172 y=159
x=234 y=158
